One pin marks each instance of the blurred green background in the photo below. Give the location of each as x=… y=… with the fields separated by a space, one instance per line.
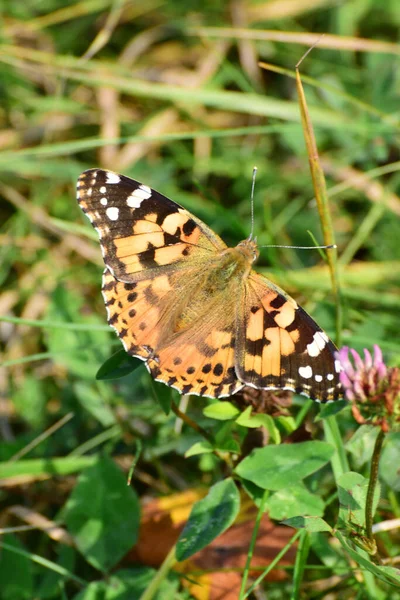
x=171 y=93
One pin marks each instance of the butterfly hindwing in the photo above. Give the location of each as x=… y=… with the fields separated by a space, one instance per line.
x=201 y=359
x=281 y=346
x=140 y=312
x=154 y=320
x=141 y=231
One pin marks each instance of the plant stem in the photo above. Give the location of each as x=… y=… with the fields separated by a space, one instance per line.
x=224 y=456
x=159 y=577
x=191 y=423
x=369 y=504
x=253 y=543
x=273 y=563
x=321 y=197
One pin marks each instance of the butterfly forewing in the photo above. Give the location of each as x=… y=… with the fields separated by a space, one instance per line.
x=140 y=230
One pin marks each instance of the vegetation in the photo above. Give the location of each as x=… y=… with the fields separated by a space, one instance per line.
x=172 y=94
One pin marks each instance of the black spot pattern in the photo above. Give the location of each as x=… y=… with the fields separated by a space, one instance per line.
x=117 y=190
x=278 y=302
x=189 y=227
x=218 y=369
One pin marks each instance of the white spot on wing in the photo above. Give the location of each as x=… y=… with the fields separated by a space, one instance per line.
x=338 y=366
x=305 y=372
x=112 y=213
x=112 y=177
x=318 y=378
x=330 y=376
x=103 y=201
x=103 y=189
x=317 y=344
x=143 y=192
x=313 y=349
x=133 y=201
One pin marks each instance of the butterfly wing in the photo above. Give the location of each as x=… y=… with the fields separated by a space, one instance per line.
x=142 y=233
x=152 y=319
x=200 y=359
x=156 y=256
x=281 y=347
x=141 y=312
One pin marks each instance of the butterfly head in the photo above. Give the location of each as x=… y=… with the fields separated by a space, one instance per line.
x=249 y=249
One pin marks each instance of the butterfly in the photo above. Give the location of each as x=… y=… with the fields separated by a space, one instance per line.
x=192 y=308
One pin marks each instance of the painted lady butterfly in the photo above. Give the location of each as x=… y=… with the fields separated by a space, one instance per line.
x=193 y=309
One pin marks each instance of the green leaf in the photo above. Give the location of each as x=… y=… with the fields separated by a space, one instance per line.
x=226 y=445
x=102 y=513
x=327 y=552
x=209 y=517
x=199 y=448
x=16 y=572
x=330 y=409
x=164 y=395
x=128 y=584
x=311 y=524
x=222 y=411
x=289 y=502
x=352 y=491
x=224 y=440
x=390 y=575
x=246 y=419
x=118 y=365
x=256 y=493
x=361 y=445
x=288 y=424
x=277 y=467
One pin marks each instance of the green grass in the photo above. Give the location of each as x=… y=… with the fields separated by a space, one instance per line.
x=166 y=94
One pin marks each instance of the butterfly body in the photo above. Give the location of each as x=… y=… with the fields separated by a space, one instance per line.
x=193 y=309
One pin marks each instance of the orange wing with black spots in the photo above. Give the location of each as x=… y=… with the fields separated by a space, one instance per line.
x=200 y=358
x=141 y=231
x=281 y=347
x=193 y=309
x=186 y=343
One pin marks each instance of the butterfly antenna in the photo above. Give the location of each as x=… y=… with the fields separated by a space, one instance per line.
x=253 y=183
x=300 y=247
